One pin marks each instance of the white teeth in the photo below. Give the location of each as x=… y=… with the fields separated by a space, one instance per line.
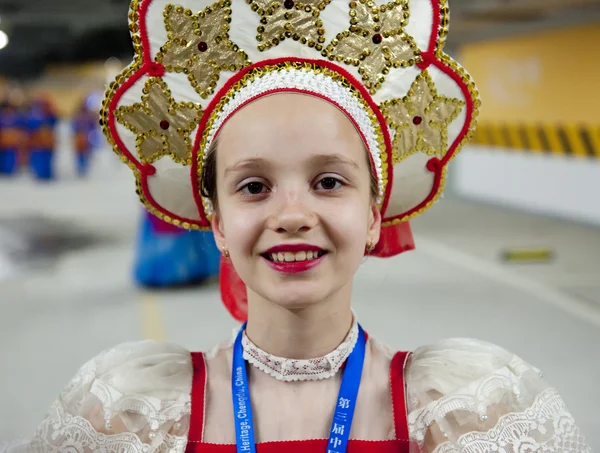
x=290 y=257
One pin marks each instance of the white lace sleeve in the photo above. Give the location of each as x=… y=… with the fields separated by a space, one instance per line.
x=467 y=396
x=134 y=398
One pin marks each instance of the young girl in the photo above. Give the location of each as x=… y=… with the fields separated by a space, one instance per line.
x=305 y=134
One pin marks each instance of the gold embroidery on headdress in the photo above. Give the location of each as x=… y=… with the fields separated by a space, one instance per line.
x=298 y=20
x=420 y=120
x=162 y=126
x=375 y=41
x=198 y=42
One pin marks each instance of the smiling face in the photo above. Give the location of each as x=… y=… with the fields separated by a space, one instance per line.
x=295 y=205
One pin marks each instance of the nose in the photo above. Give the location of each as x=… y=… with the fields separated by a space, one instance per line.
x=292 y=216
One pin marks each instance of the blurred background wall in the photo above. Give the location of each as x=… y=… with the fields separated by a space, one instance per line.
x=67 y=84
x=538 y=142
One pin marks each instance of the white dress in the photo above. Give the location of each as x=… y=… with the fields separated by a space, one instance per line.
x=462 y=395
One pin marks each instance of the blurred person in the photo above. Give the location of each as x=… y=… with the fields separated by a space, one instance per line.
x=303 y=163
x=169 y=256
x=41 y=124
x=13 y=137
x=85 y=128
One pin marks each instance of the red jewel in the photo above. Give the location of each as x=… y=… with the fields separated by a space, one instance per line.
x=202 y=46
x=164 y=125
x=377 y=38
x=417 y=120
x=156 y=69
x=289 y=4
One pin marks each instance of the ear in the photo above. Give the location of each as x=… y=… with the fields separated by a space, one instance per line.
x=374 y=230
x=217 y=228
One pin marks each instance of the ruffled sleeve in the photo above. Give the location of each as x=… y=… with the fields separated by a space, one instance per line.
x=470 y=396
x=134 y=398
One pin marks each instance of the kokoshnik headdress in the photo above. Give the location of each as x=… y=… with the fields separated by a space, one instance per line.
x=197 y=63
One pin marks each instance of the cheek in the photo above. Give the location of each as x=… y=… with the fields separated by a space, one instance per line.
x=240 y=231
x=349 y=223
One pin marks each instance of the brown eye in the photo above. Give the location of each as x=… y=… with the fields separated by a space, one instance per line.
x=254 y=188
x=328 y=183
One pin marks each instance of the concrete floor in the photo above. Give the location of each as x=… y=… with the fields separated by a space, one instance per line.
x=60 y=307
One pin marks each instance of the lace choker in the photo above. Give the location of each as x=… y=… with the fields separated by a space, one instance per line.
x=290 y=370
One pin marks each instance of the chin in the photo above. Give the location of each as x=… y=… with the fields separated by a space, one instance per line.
x=296 y=296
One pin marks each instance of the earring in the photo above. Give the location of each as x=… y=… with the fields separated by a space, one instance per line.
x=225 y=252
x=370 y=247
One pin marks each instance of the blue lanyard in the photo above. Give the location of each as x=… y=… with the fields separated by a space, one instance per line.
x=344 y=411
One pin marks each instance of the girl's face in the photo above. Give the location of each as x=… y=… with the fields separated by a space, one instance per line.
x=295 y=209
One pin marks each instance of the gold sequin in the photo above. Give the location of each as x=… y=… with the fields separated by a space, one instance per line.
x=443 y=29
x=162 y=126
x=420 y=120
x=285 y=19
x=375 y=41
x=199 y=45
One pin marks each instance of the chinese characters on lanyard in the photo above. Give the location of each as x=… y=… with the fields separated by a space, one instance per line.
x=344 y=411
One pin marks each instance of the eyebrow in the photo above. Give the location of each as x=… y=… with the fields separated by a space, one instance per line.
x=247 y=164
x=329 y=159
x=318 y=160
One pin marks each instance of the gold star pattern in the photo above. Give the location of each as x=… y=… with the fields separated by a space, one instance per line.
x=199 y=45
x=375 y=41
x=420 y=120
x=298 y=20
x=162 y=126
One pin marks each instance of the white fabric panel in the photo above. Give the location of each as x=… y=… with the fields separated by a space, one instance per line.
x=171 y=186
x=420 y=22
x=412 y=184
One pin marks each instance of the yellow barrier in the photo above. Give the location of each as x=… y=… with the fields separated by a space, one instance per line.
x=528 y=255
x=569 y=140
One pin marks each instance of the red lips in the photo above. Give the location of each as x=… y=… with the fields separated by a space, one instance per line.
x=294 y=267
